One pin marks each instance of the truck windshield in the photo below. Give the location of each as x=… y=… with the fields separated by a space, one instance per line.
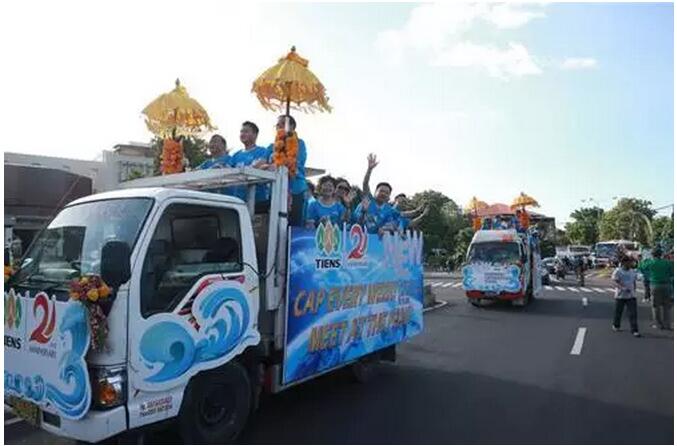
x=71 y=245
x=494 y=252
x=605 y=249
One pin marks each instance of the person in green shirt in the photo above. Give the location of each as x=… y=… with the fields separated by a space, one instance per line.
x=660 y=272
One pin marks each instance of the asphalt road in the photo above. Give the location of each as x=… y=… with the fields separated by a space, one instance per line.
x=495 y=374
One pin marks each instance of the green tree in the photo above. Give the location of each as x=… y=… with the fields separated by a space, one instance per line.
x=584 y=230
x=630 y=219
x=194 y=149
x=461 y=242
x=561 y=238
x=442 y=223
x=664 y=231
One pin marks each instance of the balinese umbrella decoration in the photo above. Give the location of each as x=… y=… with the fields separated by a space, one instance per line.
x=520 y=204
x=172 y=116
x=472 y=208
x=290 y=84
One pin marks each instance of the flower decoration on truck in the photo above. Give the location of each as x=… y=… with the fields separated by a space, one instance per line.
x=93 y=292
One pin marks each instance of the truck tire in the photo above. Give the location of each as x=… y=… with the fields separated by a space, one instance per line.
x=364 y=369
x=521 y=302
x=475 y=303
x=216 y=405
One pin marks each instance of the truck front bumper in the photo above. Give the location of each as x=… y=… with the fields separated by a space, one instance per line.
x=474 y=294
x=94 y=427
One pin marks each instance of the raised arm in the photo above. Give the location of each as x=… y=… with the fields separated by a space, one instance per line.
x=371 y=164
x=418 y=219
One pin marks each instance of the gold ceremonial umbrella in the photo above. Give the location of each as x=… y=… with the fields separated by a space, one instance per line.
x=522 y=201
x=475 y=205
x=291 y=82
x=176 y=114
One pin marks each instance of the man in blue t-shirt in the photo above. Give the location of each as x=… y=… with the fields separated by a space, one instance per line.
x=375 y=212
x=218 y=153
x=251 y=155
x=326 y=207
x=297 y=185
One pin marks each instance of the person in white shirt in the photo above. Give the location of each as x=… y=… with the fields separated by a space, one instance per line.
x=624 y=278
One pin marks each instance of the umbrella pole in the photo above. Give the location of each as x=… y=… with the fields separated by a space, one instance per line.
x=286 y=117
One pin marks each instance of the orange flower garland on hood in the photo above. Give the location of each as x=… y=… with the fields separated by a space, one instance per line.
x=286 y=149
x=172 y=157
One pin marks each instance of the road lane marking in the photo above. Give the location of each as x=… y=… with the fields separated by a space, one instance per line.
x=575 y=290
x=561 y=288
x=436 y=284
x=578 y=342
x=611 y=289
x=458 y=285
x=599 y=290
x=587 y=290
x=548 y=287
x=447 y=285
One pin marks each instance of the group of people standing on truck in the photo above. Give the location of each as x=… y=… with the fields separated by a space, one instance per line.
x=336 y=201
x=332 y=200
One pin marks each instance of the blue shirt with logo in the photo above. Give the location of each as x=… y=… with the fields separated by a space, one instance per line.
x=317 y=212
x=246 y=157
x=215 y=163
x=375 y=216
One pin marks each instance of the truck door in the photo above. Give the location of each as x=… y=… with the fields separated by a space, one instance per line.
x=193 y=302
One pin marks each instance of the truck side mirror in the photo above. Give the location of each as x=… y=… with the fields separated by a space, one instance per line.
x=115 y=263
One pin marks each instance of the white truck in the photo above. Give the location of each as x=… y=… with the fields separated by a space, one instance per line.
x=503 y=265
x=211 y=304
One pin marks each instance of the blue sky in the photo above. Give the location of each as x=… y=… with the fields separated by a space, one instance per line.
x=562 y=101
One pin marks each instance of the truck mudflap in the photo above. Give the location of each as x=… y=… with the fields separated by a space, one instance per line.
x=350 y=294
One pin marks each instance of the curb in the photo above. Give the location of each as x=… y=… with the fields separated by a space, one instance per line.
x=438 y=304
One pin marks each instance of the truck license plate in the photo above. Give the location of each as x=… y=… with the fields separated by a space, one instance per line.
x=26 y=410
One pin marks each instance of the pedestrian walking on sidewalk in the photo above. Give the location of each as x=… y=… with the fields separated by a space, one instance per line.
x=660 y=272
x=624 y=277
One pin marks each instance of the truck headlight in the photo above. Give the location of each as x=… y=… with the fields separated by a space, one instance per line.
x=109 y=387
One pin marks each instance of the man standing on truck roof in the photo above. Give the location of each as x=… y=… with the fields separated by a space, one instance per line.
x=660 y=273
x=251 y=155
x=297 y=185
x=218 y=153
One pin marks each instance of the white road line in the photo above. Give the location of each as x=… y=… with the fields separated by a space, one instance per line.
x=13 y=421
x=613 y=290
x=447 y=285
x=560 y=288
x=587 y=290
x=575 y=290
x=578 y=343
x=548 y=287
x=458 y=285
x=436 y=284
x=599 y=290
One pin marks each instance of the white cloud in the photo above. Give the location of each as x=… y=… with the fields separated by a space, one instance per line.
x=579 y=63
x=437 y=31
x=514 y=61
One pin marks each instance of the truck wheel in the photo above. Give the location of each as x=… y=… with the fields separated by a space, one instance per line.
x=364 y=369
x=521 y=302
x=216 y=405
x=475 y=303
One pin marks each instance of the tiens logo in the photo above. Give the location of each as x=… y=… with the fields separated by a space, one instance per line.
x=13 y=313
x=328 y=243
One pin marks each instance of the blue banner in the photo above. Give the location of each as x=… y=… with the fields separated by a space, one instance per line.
x=349 y=294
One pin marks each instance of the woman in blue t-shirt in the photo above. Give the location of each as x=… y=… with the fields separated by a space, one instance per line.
x=325 y=207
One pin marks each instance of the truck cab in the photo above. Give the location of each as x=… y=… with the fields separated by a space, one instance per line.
x=204 y=309
x=502 y=265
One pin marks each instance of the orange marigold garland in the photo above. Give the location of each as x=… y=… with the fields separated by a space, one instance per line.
x=286 y=150
x=172 y=157
x=93 y=292
x=8 y=272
